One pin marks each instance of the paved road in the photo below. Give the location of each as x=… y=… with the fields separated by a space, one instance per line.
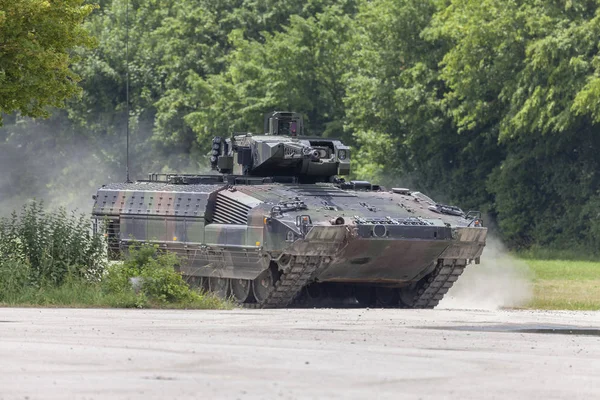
x=288 y=354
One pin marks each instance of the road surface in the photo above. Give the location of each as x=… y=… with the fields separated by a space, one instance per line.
x=298 y=353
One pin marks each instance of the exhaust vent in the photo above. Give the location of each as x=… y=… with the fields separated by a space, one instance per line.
x=228 y=210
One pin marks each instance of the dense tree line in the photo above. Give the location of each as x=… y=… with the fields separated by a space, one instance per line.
x=492 y=105
x=36 y=38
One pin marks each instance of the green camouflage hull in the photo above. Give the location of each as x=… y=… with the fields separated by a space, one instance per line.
x=275 y=244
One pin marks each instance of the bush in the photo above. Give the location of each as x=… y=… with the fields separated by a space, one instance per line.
x=14 y=277
x=54 y=259
x=55 y=246
x=159 y=281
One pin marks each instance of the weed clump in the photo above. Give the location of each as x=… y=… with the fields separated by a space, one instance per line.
x=152 y=275
x=14 y=277
x=40 y=249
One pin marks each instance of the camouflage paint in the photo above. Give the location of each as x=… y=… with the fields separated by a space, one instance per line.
x=236 y=226
x=179 y=217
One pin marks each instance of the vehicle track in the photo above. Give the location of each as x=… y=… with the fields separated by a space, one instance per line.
x=433 y=288
x=298 y=271
x=294 y=276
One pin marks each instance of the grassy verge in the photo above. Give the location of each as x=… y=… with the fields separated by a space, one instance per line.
x=89 y=295
x=565 y=284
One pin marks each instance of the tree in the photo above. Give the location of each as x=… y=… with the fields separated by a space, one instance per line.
x=490 y=105
x=299 y=68
x=36 y=40
x=526 y=73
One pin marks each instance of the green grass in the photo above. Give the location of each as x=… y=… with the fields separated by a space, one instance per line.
x=565 y=284
x=564 y=269
x=545 y=253
x=88 y=295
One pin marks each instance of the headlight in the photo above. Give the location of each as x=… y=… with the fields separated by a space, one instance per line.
x=342 y=154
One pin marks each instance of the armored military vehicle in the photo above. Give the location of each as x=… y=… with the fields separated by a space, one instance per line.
x=278 y=225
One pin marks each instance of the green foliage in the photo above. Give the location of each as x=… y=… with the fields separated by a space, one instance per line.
x=53 y=259
x=78 y=293
x=490 y=105
x=36 y=40
x=41 y=251
x=561 y=283
x=392 y=88
x=489 y=99
x=561 y=269
x=14 y=277
x=54 y=246
x=524 y=73
x=155 y=274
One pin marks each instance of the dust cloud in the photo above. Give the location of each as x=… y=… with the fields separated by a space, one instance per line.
x=53 y=162
x=499 y=281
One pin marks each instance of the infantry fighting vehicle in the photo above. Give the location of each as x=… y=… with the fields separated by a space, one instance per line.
x=278 y=225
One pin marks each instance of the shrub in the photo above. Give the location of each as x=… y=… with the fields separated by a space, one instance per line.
x=56 y=246
x=160 y=282
x=54 y=259
x=14 y=277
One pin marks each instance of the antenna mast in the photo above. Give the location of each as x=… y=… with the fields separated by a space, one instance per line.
x=127 y=87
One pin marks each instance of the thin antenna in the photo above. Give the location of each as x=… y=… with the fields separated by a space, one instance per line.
x=127 y=86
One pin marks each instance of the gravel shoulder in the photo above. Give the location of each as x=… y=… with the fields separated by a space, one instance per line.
x=297 y=353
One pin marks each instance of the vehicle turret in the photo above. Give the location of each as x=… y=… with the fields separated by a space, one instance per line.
x=282 y=151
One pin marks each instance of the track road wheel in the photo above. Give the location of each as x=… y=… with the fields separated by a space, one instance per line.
x=365 y=296
x=241 y=289
x=386 y=297
x=406 y=296
x=263 y=285
x=219 y=286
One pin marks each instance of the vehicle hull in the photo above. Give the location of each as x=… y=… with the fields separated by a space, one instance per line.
x=297 y=236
